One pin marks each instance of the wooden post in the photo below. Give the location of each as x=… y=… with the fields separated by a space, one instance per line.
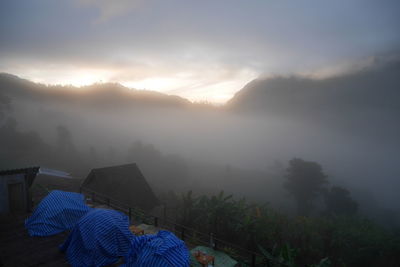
x=253 y=260
x=165 y=214
x=213 y=243
x=183 y=234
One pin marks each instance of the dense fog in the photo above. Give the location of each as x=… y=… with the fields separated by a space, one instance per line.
x=348 y=124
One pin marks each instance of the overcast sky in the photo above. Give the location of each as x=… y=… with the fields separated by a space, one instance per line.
x=201 y=50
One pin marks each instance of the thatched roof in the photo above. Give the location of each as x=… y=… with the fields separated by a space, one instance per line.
x=124 y=183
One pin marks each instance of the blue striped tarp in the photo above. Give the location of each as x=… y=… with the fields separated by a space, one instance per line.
x=161 y=250
x=57 y=212
x=100 y=238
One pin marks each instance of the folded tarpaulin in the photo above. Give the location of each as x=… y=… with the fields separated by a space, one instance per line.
x=100 y=238
x=57 y=212
x=161 y=250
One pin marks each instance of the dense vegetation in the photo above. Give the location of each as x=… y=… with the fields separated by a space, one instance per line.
x=329 y=240
x=332 y=236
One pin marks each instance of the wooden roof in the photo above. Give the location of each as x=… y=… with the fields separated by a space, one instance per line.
x=30 y=173
x=22 y=170
x=124 y=183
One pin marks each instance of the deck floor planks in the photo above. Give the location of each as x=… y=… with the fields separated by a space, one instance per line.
x=19 y=249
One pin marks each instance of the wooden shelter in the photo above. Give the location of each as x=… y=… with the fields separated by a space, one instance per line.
x=124 y=183
x=14 y=189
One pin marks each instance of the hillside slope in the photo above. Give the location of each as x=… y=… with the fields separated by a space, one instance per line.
x=107 y=95
x=364 y=101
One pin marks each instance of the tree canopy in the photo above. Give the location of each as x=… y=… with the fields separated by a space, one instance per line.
x=338 y=201
x=305 y=180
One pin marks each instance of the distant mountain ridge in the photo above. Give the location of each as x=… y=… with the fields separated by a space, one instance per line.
x=356 y=99
x=372 y=88
x=366 y=102
x=105 y=95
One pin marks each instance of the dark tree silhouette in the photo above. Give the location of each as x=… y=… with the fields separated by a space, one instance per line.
x=64 y=140
x=4 y=106
x=338 y=201
x=144 y=153
x=93 y=156
x=111 y=155
x=305 y=179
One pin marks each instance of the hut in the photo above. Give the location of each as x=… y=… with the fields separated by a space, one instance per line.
x=14 y=189
x=124 y=183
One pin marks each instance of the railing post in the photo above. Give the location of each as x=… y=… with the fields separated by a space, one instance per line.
x=165 y=213
x=183 y=234
x=155 y=221
x=253 y=260
x=212 y=241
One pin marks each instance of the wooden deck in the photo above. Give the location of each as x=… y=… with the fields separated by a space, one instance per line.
x=18 y=249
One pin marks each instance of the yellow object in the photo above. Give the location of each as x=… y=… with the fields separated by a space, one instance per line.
x=136 y=230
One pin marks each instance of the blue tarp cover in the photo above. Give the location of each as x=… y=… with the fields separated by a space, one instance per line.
x=161 y=250
x=100 y=238
x=57 y=212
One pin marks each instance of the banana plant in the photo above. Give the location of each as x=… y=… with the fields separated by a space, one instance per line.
x=285 y=256
x=325 y=262
x=188 y=208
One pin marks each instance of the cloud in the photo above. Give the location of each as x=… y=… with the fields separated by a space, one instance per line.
x=197 y=44
x=109 y=9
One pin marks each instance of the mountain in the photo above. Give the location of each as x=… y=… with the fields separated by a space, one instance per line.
x=106 y=95
x=372 y=88
x=363 y=101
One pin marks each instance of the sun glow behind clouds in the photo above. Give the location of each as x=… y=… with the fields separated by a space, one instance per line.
x=160 y=84
x=194 y=87
x=64 y=76
x=198 y=85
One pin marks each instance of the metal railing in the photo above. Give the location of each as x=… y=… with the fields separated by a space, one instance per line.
x=189 y=235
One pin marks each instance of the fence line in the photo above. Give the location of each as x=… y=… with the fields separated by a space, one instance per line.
x=179 y=229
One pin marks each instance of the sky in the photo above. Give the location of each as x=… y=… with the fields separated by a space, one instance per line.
x=201 y=50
